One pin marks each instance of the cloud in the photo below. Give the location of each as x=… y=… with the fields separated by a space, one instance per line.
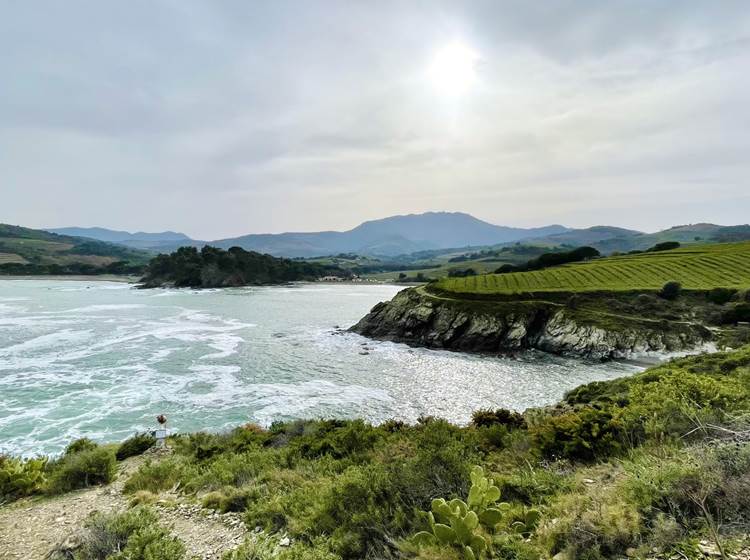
x=233 y=117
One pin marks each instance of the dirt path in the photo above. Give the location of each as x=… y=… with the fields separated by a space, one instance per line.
x=30 y=528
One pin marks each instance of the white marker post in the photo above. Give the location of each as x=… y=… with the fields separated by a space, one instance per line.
x=161 y=432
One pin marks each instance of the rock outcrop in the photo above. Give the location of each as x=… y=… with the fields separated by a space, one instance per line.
x=415 y=317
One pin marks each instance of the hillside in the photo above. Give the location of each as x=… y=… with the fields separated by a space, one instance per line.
x=604 y=308
x=650 y=466
x=698 y=267
x=612 y=239
x=30 y=251
x=121 y=237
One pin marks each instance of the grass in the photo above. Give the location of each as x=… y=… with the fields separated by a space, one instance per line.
x=695 y=268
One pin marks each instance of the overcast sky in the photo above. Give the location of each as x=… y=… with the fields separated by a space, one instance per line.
x=223 y=118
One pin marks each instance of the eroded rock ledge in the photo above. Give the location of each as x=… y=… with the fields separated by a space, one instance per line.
x=416 y=317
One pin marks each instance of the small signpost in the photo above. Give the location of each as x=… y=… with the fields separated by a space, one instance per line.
x=161 y=432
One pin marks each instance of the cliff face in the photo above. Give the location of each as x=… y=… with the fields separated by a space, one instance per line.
x=420 y=319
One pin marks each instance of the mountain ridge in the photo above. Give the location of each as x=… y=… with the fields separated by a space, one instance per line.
x=393 y=235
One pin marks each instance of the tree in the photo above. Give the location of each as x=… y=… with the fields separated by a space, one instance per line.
x=670 y=290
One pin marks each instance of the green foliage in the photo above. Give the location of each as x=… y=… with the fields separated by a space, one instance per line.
x=528 y=522
x=548 y=260
x=335 y=438
x=132 y=535
x=80 y=469
x=135 y=445
x=720 y=296
x=618 y=465
x=212 y=267
x=20 y=477
x=663 y=246
x=463 y=525
x=155 y=476
x=671 y=290
x=501 y=416
x=78 y=445
x=268 y=549
x=584 y=434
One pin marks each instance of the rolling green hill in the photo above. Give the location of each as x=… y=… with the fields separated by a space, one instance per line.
x=611 y=239
x=696 y=268
x=31 y=251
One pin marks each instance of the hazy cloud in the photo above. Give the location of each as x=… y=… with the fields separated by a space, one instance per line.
x=230 y=117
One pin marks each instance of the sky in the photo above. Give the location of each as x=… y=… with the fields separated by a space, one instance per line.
x=230 y=117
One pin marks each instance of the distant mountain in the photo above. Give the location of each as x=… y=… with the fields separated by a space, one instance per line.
x=33 y=251
x=139 y=239
x=390 y=236
x=588 y=236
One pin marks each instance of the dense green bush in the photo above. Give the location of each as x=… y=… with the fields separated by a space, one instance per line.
x=335 y=438
x=663 y=246
x=584 y=434
x=720 y=296
x=135 y=445
x=20 y=477
x=502 y=416
x=670 y=290
x=78 y=445
x=79 y=469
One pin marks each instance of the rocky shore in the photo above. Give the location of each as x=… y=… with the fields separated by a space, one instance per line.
x=416 y=317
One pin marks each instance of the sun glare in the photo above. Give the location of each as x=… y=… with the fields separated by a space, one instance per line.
x=453 y=71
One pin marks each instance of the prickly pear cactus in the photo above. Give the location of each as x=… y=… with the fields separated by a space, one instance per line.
x=462 y=524
x=528 y=524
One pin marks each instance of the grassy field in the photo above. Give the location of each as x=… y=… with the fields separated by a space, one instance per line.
x=697 y=267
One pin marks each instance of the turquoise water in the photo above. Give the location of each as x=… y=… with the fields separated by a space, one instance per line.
x=101 y=359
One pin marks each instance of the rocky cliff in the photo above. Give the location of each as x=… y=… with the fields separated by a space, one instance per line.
x=416 y=317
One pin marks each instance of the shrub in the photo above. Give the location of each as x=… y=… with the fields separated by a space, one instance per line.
x=20 y=477
x=81 y=469
x=664 y=246
x=358 y=510
x=335 y=438
x=533 y=486
x=155 y=476
x=134 y=445
x=585 y=434
x=502 y=416
x=78 y=445
x=494 y=436
x=720 y=296
x=670 y=290
x=132 y=535
x=231 y=499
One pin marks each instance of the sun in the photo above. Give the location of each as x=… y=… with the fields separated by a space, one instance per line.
x=453 y=70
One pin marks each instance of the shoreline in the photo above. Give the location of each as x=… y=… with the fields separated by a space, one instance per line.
x=73 y=277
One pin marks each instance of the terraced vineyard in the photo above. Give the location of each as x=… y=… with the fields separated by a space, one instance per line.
x=696 y=268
